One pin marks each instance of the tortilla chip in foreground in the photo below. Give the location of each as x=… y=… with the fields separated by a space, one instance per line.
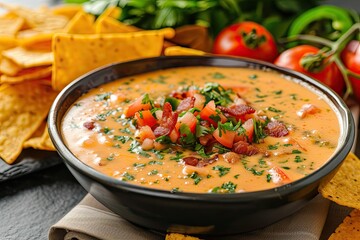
x=344 y=188
x=42 y=142
x=23 y=108
x=349 y=229
x=75 y=55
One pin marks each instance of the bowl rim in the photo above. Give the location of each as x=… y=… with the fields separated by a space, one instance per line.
x=344 y=117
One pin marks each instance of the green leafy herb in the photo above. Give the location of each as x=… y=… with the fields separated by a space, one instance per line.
x=227 y=187
x=222 y=170
x=102 y=96
x=127 y=177
x=196 y=178
x=218 y=75
x=153 y=172
x=214 y=91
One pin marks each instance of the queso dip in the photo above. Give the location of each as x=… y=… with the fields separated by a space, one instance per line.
x=203 y=129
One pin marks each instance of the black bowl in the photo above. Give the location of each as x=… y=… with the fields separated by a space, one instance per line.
x=192 y=213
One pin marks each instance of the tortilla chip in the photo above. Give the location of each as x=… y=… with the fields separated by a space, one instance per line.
x=67 y=10
x=81 y=23
x=349 y=229
x=75 y=55
x=111 y=25
x=344 y=188
x=27 y=74
x=35 y=40
x=37 y=19
x=7 y=42
x=178 y=236
x=177 y=50
x=10 y=26
x=23 y=108
x=111 y=11
x=8 y=67
x=29 y=58
x=42 y=142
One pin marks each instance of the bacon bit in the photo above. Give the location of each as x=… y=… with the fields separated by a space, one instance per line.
x=307 y=109
x=231 y=157
x=200 y=162
x=89 y=125
x=186 y=104
x=237 y=111
x=245 y=148
x=192 y=161
x=205 y=139
x=179 y=95
x=167 y=121
x=206 y=161
x=276 y=129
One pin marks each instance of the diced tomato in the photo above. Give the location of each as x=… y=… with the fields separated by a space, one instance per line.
x=278 y=176
x=199 y=101
x=174 y=135
x=144 y=118
x=249 y=129
x=208 y=113
x=145 y=132
x=188 y=119
x=226 y=138
x=136 y=106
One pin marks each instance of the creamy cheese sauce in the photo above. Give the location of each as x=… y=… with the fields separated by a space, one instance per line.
x=109 y=147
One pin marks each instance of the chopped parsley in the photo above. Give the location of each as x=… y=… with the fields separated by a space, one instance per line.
x=227 y=187
x=222 y=170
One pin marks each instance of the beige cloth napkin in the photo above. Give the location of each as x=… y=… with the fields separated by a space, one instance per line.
x=90 y=220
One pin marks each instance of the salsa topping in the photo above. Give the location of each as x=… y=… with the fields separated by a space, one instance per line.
x=208 y=120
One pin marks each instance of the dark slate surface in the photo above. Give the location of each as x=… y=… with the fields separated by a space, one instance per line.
x=29 y=205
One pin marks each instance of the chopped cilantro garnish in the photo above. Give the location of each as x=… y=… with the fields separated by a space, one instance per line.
x=153 y=172
x=127 y=177
x=227 y=187
x=218 y=75
x=222 y=170
x=102 y=96
x=196 y=178
x=122 y=139
x=213 y=91
x=139 y=165
x=295 y=151
x=272 y=109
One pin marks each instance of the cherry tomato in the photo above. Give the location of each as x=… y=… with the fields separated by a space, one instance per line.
x=246 y=39
x=330 y=74
x=351 y=59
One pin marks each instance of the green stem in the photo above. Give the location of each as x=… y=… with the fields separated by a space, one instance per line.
x=344 y=72
x=308 y=38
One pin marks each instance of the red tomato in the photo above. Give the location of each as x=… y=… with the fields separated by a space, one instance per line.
x=188 y=119
x=330 y=75
x=145 y=118
x=351 y=58
x=209 y=113
x=226 y=138
x=246 y=39
x=136 y=106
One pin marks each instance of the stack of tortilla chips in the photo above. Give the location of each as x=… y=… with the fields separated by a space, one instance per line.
x=43 y=50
